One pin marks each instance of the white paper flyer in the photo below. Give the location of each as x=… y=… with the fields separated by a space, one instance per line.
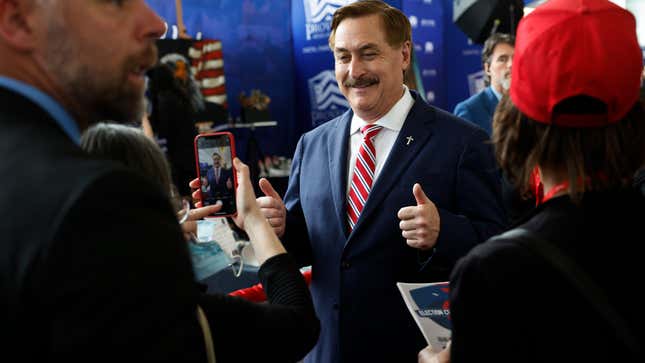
x=429 y=305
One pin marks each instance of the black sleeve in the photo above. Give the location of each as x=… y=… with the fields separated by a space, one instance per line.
x=284 y=330
x=488 y=306
x=116 y=281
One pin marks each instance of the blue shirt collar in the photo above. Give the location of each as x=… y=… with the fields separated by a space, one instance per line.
x=497 y=94
x=57 y=112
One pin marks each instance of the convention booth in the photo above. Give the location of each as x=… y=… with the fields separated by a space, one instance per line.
x=263 y=70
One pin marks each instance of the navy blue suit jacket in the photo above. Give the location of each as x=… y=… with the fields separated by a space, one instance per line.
x=479 y=109
x=219 y=189
x=363 y=316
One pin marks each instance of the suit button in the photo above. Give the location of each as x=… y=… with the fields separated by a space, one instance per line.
x=345 y=265
x=335 y=306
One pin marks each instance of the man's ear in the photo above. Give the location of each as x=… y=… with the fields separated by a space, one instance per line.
x=487 y=69
x=15 y=26
x=406 y=52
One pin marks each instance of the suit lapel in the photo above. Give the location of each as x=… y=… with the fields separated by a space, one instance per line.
x=337 y=144
x=418 y=125
x=491 y=101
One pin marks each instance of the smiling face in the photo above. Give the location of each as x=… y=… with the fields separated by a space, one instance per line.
x=369 y=71
x=217 y=161
x=97 y=52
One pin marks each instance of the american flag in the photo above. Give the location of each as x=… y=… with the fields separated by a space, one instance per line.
x=207 y=65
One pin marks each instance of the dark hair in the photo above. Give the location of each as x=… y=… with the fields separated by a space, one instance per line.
x=397 y=25
x=489 y=48
x=130 y=147
x=173 y=119
x=169 y=101
x=603 y=157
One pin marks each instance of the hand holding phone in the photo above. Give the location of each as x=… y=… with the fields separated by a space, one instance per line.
x=214 y=154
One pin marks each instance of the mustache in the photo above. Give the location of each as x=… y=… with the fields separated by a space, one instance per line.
x=360 y=82
x=146 y=58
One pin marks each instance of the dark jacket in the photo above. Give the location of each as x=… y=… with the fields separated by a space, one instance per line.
x=94 y=267
x=509 y=305
x=479 y=109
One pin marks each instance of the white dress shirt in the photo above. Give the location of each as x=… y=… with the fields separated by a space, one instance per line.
x=383 y=141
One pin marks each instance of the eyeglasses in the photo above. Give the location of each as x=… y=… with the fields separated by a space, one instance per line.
x=237 y=261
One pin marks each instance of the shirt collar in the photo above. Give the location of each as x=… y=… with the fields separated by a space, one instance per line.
x=497 y=94
x=393 y=120
x=55 y=110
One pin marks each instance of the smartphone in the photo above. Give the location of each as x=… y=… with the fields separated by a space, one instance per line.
x=214 y=155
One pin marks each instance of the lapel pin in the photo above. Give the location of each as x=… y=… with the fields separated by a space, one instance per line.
x=410 y=139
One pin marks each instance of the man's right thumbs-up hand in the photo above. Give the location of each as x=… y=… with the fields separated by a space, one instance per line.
x=272 y=207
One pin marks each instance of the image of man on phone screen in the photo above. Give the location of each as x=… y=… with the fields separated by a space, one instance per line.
x=220 y=180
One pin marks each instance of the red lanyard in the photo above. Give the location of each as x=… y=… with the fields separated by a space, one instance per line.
x=538 y=188
x=555 y=190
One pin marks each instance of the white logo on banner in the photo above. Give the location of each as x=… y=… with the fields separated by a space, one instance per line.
x=318 y=15
x=429 y=48
x=414 y=22
x=476 y=82
x=430 y=96
x=429 y=72
x=428 y=22
x=427 y=2
x=326 y=99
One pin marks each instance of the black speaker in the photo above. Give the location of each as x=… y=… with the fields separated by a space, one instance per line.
x=478 y=19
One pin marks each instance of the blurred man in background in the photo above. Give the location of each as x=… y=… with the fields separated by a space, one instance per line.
x=497 y=60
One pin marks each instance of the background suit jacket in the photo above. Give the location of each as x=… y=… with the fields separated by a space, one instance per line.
x=363 y=316
x=94 y=266
x=479 y=109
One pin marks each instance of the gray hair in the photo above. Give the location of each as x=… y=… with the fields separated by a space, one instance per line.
x=131 y=147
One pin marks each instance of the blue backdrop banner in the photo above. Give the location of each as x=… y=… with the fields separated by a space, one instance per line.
x=256 y=46
x=426 y=19
x=280 y=47
x=449 y=64
x=318 y=98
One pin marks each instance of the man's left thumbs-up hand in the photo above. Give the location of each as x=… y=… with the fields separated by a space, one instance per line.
x=420 y=223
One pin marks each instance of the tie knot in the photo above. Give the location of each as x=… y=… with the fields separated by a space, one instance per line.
x=369 y=131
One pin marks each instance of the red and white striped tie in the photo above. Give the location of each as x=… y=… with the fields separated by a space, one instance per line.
x=363 y=176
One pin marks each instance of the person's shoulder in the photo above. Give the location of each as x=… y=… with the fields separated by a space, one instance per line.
x=449 y=123
x=329 y=126
x=500 y=257
x=109 y=180
x=502 y=247
x=496 y=246
x=77 y=182
x=473 y=100
x=117 y=185
x=110 y=192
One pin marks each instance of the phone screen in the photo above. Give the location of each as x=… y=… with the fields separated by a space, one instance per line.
x=214 y=154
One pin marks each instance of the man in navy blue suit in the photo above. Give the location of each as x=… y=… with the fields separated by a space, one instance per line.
x=220 y=179
x=497 y=60
x=435 y=194
x=220 y=184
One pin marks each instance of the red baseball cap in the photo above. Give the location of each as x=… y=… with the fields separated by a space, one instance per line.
x=567 y=48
